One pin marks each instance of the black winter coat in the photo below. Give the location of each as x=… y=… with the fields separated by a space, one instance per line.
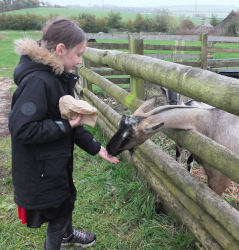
x=43 y=142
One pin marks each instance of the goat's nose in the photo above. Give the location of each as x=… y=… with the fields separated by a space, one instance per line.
x=172 y=102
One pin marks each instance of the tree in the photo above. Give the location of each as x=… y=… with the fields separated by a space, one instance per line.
x=21 y=21
x=172 y=23
x=102 y=24
x=233 y=26
x=6 y=5
x=115 y=20
x=163 y=21
x=214 y=21
x=88 y=22
x=129 y=25
x=187 y=24
x=140 y=24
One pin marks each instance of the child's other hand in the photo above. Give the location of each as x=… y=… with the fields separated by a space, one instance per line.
x=75 y=122
x=104 y=155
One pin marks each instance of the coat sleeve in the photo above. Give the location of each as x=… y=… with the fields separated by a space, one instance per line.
x=28 y=122
x=84 y=139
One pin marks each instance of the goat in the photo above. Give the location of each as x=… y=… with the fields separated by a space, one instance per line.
x=214 y=123
x=179 y=149
x=174 y=98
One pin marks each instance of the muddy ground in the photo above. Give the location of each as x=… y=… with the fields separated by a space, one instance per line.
x=5 y=103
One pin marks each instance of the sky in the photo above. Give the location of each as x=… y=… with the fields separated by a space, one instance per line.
x=146 y=3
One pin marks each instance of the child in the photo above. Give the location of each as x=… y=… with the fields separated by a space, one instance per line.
x=42 y=142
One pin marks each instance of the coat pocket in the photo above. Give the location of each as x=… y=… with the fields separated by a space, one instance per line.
x=52 y=175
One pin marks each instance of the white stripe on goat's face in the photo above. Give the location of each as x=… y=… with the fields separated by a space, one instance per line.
x=129 y=120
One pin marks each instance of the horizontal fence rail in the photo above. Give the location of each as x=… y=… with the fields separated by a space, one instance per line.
x=161 y=37
x=203 y=59
x=192 y=82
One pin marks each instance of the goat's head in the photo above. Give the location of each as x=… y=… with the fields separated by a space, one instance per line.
x=172 y=98
x=134 y=130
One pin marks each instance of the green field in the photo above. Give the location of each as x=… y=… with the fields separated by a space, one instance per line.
x=75 y=12
x=9 y=57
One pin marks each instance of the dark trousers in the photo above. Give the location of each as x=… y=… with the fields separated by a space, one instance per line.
x=56 y=230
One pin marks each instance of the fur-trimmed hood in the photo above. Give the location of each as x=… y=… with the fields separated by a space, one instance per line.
x=39 y=54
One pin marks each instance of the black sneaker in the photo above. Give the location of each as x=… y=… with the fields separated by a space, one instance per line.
x=79 y=238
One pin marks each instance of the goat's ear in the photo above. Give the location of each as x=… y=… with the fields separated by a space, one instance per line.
x=164 y=90
x=146 y=106
x=152 y=127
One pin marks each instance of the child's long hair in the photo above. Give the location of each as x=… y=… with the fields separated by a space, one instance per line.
x=61 y=30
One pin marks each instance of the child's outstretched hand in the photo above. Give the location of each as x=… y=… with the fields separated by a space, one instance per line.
x=104 y=155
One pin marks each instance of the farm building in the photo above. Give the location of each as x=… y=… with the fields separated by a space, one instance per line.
x=221 y=27
x=203 y=28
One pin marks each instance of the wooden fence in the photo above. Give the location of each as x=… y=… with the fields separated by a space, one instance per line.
x=202 y=57
x=210 y=218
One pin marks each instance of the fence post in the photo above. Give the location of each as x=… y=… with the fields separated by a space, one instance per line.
x=137 y=85
x=204 y=51
x=87 y=84
x=182 y=52
x=175 y=51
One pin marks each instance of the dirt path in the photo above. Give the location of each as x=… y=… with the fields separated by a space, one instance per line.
x=5 y=103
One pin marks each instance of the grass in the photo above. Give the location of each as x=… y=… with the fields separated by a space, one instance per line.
x=73 y=12
x=112 y=201
x=98 y=13
x=8 y=56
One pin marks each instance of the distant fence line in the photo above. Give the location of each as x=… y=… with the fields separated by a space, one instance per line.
x=206 y=49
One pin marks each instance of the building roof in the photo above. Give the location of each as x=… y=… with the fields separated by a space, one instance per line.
x=226 y=20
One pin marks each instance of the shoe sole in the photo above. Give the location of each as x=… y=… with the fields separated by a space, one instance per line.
x=77 y=244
